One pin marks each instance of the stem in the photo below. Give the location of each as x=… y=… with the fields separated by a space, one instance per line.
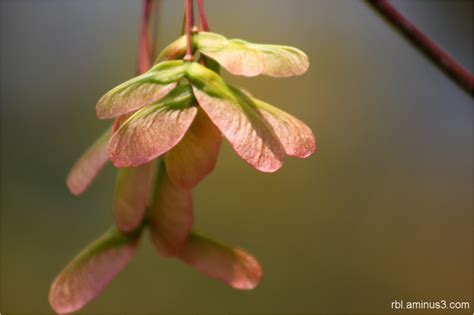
x=204 y=26
x=202 y=16
x=144 y=60
x=191 y=10
x=439 y=56
x=189 y=24
x=183 y=24
x=154 y=32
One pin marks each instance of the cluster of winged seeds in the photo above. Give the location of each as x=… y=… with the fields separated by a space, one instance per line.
x=167 y=131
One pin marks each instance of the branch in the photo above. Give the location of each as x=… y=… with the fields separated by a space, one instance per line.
x=203 y=17
x=154 y=32
x=439 y=56
x=144 y=57
x=189 y=24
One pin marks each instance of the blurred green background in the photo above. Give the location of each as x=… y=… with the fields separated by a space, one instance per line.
x=383 y=211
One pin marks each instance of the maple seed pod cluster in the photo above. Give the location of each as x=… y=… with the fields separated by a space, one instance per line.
x=168 y=126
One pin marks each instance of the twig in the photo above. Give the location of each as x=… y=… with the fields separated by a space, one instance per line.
x=436 y=53
x=189 y=24
x=202 y=16
x=183 y=24
x=154 y=31
x=144 y=58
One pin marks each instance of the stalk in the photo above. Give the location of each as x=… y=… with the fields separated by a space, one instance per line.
x=188 y=29
x=202 y=16
x=439 y=56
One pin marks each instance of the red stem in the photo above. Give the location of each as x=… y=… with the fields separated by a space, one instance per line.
x=154 y=32
x=436 y=53
x=202 y=16
x=191 y=14
x=144 y=58
x=189 y=24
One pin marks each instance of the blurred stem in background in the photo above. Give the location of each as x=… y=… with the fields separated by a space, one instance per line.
x=203 y=17
x=439 y=56
x=147 y=42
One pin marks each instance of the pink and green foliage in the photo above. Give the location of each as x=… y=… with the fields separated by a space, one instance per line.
x=171 y=215
x=168 y=127
x=195 y=156
x=89 y=165
x=131 y=196
x=154 y=129
x=90 y=271
x=240 y=57
x=234 y=266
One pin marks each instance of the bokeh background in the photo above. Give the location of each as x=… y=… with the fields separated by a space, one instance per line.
x=383 y=211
